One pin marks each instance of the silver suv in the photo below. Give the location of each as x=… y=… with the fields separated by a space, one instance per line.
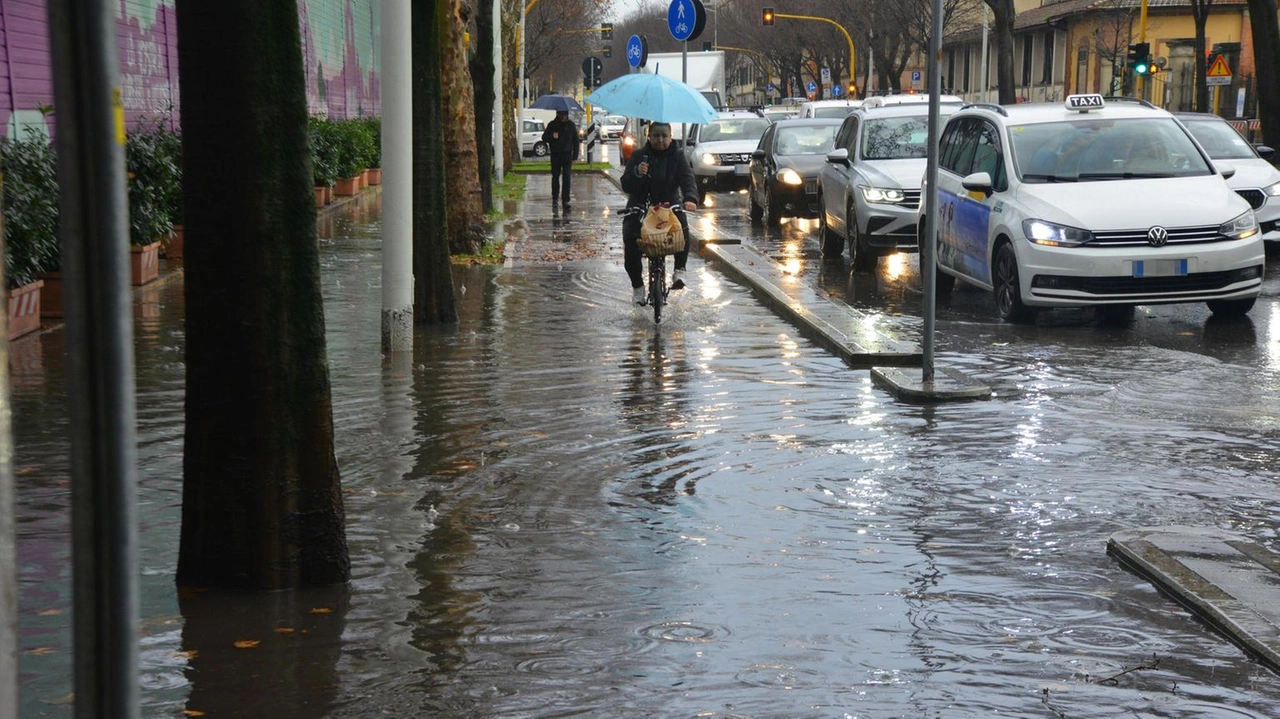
x=720 y=151
x=869 y=189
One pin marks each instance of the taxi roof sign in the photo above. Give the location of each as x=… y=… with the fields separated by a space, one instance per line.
x=1085 y=103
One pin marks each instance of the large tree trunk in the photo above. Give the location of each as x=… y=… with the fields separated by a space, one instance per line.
x=433 y=301
x=261 y=501
x=1003 y=29
x=466 y=207
x=482 y=79
x=1266 y=56
x=510 y=81
x=1200 y=11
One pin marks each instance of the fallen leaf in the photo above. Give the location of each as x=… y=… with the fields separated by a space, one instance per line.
x=284 y=630
x=322 y=610
x=189 y=654
x=41 y=651
x=193 y=712
x=246 y=643
x=60 y=701
x=51 y=612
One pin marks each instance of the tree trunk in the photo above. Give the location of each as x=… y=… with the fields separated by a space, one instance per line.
x=510 y=81
x=1202 y=90
x=433 y=301
x=465 y=206
x=1003 y=11
x=482 y=79
x=1266 y=56
x=261 y=500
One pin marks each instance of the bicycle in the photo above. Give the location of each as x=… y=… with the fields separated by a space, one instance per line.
x=656 y=252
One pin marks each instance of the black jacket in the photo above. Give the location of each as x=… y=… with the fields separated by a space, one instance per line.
x=670 y=178
x=567 y=144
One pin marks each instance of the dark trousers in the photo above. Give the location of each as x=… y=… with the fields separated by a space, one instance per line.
x=560 y=172
x=633 y=258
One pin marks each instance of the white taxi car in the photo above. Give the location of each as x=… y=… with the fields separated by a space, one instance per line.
x=1090 y=203
x=1256 y=179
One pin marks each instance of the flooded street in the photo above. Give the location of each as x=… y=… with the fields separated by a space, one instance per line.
x=557 y=509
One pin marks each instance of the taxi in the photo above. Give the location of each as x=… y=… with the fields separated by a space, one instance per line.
x=1103 y=203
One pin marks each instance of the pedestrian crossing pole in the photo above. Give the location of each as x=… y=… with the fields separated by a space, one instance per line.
x=929 y=243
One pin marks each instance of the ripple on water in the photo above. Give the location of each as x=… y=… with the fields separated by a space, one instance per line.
x=685 y=631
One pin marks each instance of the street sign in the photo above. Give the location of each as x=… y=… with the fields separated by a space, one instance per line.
x=1219 y=72
x=826 y=76
x=592 y=66
x=770 y=87
x=685 y=19
x=637 y=51
x=811 y=86
x=915 y=79
x=837 y=91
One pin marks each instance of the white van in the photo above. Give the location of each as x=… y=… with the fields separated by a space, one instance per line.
x=825 y=109
x=909 y=99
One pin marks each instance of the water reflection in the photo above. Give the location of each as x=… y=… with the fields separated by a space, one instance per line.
x=655 y=402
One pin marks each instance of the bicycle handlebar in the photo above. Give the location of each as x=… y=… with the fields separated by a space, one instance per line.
x=640 y=210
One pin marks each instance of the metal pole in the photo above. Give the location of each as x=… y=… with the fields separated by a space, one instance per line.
x=8 y=554
x=524 y=10
x=499 y=152
x=100 y=367
x=928 y=264
x=397 y=172
x=985 y=78
x=871 y=68
x=684 y=77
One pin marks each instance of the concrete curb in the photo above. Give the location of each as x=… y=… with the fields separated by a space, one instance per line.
x=1226 y=580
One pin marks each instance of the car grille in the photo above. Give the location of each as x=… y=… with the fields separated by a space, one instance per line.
x=811 y=187
x=1198 y=282
x=735 y=158
x=1177 y=236
x=910 y=199
x=1255 y=198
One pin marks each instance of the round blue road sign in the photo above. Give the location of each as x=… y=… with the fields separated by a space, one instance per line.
x=637 y=51
x=682 y=18
x=811 y=86
x=837 y=91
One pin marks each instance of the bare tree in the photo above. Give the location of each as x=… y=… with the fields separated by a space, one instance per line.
x=1266 y=53
x=462 y=163
x=433 y=299
x=1004 y=12
x=1200 y=14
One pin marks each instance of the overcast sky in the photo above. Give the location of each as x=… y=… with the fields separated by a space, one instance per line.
x=624 y=8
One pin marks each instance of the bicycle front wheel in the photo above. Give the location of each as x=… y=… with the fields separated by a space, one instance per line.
x=657 y=286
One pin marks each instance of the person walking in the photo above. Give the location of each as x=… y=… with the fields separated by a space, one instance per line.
x=656 y=174
x=561 y=137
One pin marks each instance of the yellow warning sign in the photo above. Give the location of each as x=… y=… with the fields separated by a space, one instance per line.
x=1219 y=68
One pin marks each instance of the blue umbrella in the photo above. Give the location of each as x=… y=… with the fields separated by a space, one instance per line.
x=559 y=103
x=654 y=97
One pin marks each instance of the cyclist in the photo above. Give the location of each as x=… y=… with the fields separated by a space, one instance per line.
x=656 y=174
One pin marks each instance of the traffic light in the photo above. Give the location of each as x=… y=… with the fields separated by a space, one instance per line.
x=767 y=17
x=1140 y=57
x=706 y=46
x=608 y=51
x=853 y=90
x=606 y=31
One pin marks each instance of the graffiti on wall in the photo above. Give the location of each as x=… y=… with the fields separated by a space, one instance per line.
x=340 y=45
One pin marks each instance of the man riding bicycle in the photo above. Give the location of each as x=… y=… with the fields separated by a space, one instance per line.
x=656 y=174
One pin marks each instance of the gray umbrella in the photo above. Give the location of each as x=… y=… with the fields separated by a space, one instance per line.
x=559 y=103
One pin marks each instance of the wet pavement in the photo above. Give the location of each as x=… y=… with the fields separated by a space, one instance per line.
x=558 y=509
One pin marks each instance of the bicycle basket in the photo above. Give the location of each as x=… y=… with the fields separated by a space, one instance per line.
x=661 y=233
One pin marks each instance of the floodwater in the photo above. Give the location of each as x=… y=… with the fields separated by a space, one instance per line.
x=556 y=509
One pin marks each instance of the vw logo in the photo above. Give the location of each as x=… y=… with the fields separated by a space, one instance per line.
x=1157 y=236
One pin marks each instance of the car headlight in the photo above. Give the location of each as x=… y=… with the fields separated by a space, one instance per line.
x=1055 y=235
x=709 y=159
x=1272 y=190
x=1242 y=227
x=883 y=195
x=790 y=177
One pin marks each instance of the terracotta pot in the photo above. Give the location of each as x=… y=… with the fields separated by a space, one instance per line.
x=347 y=187
x=24 y=309
x=320 y=193
x=52 y=305
x=144 y=263
x=173 y=246
x=328 y=194
x=375 y=175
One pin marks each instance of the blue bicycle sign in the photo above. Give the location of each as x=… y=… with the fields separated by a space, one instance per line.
x=637 y=51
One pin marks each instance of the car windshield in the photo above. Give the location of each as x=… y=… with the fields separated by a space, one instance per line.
x=1220 y=140
x=806 y=139
x=836 y=112
x=1101 y=149
x=895 y=138
x=747 y=128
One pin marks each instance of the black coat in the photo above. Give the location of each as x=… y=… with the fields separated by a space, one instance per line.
x=670 y=178
x=567 y=144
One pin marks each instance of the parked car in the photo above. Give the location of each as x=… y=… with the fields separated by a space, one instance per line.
x=1256 y=179
x=910 y=99
x=633 y=135
x=869 y=190
x=829 y=108
x=785 y=166
x=720 y=151
x=611 y=126
x=531 y=138
x=779 y=112
x=1108 y=204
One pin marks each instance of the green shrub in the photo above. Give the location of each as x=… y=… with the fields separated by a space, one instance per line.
x=352 y=148
x=373 y=126
x=155 y=178
x=323 y=142
x=30 y=199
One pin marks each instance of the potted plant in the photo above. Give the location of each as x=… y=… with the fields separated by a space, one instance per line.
x=350 y=158
x=373 y=160
x=154 y=177
x=169 y=142
x=324 y=158
x=30 y=225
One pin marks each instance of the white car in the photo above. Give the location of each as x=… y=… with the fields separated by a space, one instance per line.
x=531 y=138
x=1256 y=179
x=611 y=126
x=1090 y=203
x=829 y=108
x=720 y=151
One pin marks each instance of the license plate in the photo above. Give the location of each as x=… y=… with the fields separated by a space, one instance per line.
x=741 y=169
x=1159 y=268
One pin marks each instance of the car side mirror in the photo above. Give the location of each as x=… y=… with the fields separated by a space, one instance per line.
x=839 y=157
x=691 y=142
x=1227 y=170
x=978 y=182
x=1265 y=152
x=757 y=154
